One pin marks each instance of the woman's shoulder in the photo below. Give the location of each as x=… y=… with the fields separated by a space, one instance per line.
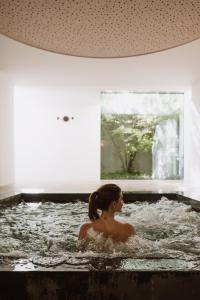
x=126 y=227
x=83 y=230
x=129 y=229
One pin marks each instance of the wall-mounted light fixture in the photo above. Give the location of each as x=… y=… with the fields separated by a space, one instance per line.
x=65 y=118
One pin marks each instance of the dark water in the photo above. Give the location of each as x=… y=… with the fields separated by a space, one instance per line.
x=44 y=235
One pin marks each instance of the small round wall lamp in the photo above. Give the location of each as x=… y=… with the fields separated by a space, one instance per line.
x=65 y=118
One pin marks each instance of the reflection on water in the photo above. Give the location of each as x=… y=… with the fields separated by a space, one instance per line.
x=42 y=235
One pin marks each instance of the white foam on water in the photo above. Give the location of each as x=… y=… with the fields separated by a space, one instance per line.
x=165 y=229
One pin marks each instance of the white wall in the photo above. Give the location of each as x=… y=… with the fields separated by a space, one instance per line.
x=192 y=138
x=57 y=156
x=173 y=68
x=6 y=132
x=53 y=153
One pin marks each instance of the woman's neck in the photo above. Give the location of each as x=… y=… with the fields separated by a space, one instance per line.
x=107 y=214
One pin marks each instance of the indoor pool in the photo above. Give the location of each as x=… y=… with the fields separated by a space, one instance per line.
x=41 y=235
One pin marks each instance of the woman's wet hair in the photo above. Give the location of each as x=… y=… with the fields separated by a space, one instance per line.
x=102 y=198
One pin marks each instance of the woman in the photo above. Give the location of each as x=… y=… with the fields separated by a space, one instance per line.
x=109 y=199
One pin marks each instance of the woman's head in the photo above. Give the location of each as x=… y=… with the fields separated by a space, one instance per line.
x=102 y=199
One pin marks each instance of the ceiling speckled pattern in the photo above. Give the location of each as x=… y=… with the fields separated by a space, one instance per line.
x=100 y=28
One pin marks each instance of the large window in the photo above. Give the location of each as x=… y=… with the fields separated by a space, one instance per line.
x=141 y=135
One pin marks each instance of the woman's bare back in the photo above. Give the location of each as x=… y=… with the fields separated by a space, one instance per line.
x=110 y=228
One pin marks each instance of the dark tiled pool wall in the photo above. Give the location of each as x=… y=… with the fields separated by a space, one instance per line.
x=12 y=199
x=128 y=197
x=100 y=285
x=9 y=199
x=187 y=200
x=150 y=197
x=55 y=197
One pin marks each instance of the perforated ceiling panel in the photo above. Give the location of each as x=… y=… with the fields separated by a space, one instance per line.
x=100 y=28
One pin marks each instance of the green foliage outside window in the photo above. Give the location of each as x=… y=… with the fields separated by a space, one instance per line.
x=130 y=135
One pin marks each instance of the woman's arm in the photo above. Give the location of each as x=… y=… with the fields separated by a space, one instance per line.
x=83 y=231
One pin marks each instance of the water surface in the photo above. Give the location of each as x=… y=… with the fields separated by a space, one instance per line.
x=45 y=235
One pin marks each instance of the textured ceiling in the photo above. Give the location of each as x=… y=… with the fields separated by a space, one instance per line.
x=100 y=28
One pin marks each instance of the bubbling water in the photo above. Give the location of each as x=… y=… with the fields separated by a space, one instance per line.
x=165 y=229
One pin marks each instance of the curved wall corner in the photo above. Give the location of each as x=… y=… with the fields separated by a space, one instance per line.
x=6 y=133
